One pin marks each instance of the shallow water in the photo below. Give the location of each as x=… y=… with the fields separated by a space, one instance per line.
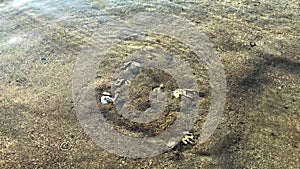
x=57 y=57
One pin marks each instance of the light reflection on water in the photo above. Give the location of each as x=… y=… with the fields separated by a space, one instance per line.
x=66 y=9
x=20 y=18
x=60 y=10
x=63 y=24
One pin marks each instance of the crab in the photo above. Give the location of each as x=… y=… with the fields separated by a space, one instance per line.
x=188 y=138
x=120 y=82
x=107 y=98
x=184 y=92
x=130 y=63
x=158 y=89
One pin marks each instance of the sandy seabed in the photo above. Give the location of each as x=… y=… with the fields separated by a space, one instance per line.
x=257 y=42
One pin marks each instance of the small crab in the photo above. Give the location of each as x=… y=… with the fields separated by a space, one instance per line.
x=120 y=82
x=158 y=89
x=188 y=138
x=184 y=92
x=106 y=98
x=130 y=63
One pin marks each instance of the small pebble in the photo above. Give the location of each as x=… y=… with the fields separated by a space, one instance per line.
x=252 y=44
